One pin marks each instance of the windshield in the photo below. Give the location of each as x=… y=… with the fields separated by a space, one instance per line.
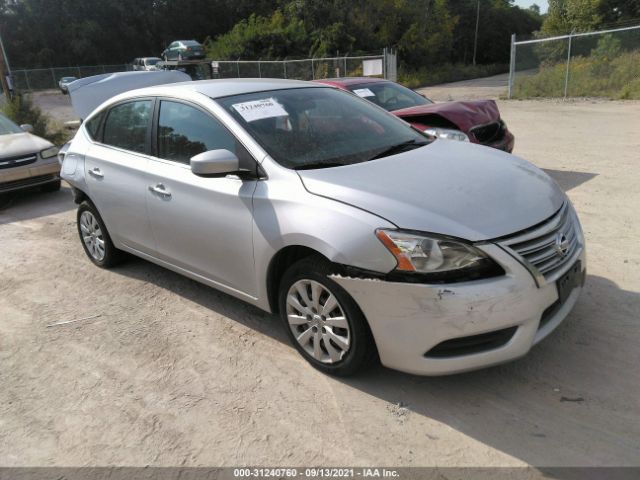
x=7 y=126
x=151 y=61
x=320 y=127
x=389 y=95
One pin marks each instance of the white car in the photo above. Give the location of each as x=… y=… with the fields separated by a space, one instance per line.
x=146 y=64
x=25 y=159
x=367 y=237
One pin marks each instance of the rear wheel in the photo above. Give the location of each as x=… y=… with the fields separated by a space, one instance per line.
x=51 y=187
x=322 y=320
x=95 y=238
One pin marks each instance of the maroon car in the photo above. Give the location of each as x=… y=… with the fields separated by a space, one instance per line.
x=477 y=121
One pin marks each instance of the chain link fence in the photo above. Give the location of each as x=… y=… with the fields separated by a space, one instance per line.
x=383 y=65
x=591 y=64
x=48 y=78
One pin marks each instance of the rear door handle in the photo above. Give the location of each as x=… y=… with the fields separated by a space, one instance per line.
x=95 y=172
x=160 y=190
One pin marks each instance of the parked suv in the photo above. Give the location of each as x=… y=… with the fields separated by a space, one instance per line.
x=368 y=237
x=25 y=159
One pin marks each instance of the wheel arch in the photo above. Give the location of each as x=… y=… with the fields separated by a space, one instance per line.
x=280 y=262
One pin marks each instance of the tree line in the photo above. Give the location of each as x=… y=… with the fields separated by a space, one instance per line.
x=50 y=33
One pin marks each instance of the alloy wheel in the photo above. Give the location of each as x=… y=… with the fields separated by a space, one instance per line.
x=92 y=235
x=317 y=321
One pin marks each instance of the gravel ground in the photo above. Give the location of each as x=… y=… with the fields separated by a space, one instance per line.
x=169 y=372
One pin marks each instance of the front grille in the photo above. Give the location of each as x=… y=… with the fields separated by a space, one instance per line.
x=18 y=161
x=550 y=247
x=27 y=182
x=472 y=344
x=491 y=132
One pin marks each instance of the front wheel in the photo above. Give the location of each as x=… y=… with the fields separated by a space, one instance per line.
x=322 y=320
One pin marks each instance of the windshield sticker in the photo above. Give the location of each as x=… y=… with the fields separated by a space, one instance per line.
x=260 y=109
x=364 y=92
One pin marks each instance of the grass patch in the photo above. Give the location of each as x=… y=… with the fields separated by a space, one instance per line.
x=595 y=76
x=22 y=110
x=450 y=72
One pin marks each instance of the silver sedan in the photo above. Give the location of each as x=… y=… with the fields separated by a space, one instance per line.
x=371 y=240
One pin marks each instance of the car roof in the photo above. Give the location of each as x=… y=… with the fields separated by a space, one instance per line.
x=226 y=87
x=347 y=81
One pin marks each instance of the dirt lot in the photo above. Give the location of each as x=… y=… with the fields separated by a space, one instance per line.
x=174 y=373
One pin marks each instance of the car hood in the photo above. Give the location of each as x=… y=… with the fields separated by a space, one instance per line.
x=21 y=144
x=451 y=188
x=463 y=114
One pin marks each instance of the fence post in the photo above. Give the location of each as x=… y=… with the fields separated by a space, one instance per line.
x=238 y=66
x=566 y=76
x=26 y=80
x=384 y=63
x=259 y=71
x=284 y=64
x=313 y=72
x=53 y=75
x=512 y=64
x=345 y=65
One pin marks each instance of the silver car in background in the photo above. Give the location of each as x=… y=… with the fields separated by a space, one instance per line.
x=26 y=160
x=369 y=239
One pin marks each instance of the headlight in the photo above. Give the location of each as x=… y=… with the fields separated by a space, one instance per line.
x=443 y=258
x=447 y=134
x=49 y=152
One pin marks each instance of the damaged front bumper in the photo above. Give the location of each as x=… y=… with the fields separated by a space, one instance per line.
x=431 y=329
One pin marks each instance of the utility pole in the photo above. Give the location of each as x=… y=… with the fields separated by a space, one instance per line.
x=475 y=41
x=4 y=68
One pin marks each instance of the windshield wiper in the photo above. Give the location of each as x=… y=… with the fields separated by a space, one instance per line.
x=400 y=147
x=311 y=166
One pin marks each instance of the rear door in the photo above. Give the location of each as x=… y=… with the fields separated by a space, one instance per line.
x=203 y=225
x=116 y=172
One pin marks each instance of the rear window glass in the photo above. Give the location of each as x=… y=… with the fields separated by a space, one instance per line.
x=92 y=126
x=126 y=126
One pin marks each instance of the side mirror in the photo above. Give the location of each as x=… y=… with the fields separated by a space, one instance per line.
x=215 y=163
x=27 y=128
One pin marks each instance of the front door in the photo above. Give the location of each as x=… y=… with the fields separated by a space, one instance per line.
x=203 y=225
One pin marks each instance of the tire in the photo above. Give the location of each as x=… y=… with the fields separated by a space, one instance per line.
x=326 y=328
x=51 y=187
x=99 y=248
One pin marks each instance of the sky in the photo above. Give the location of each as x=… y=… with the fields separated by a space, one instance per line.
x=527 y=3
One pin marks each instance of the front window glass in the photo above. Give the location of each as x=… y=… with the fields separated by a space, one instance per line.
x=152 y=61
x=7 y=127
x=320 y=127
x=126 y=125
x=389 y=96
x=185 y=131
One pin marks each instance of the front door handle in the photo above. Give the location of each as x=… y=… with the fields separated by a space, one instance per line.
x=95 y=172
x=160 y=190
